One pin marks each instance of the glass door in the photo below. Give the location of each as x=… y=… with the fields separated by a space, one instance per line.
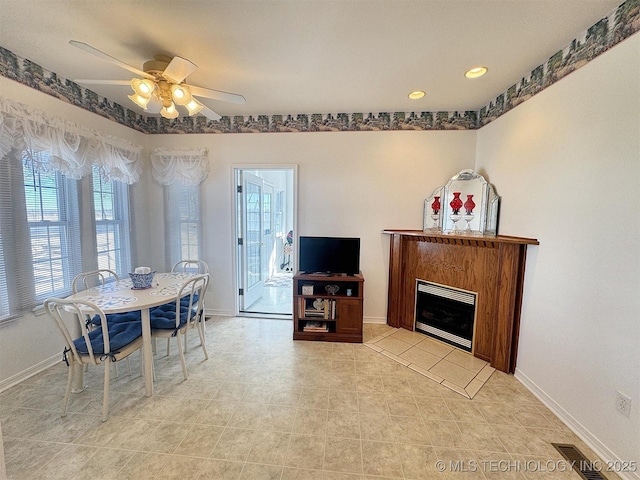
x=264 y=227
x=252 y=241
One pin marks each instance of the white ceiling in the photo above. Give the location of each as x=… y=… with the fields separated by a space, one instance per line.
x=306 y=56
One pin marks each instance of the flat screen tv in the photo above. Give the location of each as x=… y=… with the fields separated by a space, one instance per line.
x=329 y=255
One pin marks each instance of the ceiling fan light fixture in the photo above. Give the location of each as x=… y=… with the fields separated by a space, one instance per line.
x=143 y=87
x=169 y=112
x=181 y=94
x=140 y=100
x=193 y=106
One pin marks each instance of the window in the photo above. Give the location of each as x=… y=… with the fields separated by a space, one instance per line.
x=266 y=217
x=183 y=220
x=4 y=294
x=111 y=206
x=51 y=203
x=41 y=246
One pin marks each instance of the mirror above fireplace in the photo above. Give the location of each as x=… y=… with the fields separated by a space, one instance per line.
x=466 y=205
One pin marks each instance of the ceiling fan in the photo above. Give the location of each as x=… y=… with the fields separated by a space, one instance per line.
x=161 y=86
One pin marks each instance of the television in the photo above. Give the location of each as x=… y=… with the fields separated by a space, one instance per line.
x=329 y=255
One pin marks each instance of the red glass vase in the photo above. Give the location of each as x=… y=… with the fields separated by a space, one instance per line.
x=469 y=205
x=456 y=203
x=435 y=206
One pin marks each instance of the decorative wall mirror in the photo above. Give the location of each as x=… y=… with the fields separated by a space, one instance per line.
x=466 y=205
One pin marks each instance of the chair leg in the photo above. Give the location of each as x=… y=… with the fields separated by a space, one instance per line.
x=65 y=402
x=182 y=360
x=169 y=346
x=200 y=328
x=105 y=396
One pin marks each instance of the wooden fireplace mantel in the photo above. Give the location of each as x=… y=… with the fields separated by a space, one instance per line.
x=492 y=266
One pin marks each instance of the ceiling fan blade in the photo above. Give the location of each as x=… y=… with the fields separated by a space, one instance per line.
x=210 y=114
x=178 y=69
x=108 y=58
x=87 y=81
x=217 y=95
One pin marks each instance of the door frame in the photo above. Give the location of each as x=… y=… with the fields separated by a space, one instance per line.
x=235 y=226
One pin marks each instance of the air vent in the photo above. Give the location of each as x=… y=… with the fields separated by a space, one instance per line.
x=581 y=464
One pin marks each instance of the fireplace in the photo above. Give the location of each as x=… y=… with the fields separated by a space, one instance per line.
x=492 y=266
x=445 y=313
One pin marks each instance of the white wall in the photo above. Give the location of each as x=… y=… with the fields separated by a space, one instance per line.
x=567 y=165
x=29 y=343
x=349 y=184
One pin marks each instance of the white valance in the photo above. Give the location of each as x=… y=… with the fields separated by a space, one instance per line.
x=187 y=166
x=72 y=149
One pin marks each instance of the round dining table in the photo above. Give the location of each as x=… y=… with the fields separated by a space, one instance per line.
x=121 y=296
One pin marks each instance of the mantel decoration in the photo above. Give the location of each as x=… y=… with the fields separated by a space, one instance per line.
x=445 y=207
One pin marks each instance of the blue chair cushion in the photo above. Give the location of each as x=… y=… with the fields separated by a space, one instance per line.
x=164 y=316
x=184 y=302
x=118 y=318
x=120 y=335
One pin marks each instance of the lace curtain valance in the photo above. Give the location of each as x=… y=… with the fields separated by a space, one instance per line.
x=180 y=165
x=72 y=149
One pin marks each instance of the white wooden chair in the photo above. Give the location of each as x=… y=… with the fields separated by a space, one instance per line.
x=107 y=343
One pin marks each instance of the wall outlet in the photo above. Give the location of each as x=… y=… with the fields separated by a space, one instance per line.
x=623 y=404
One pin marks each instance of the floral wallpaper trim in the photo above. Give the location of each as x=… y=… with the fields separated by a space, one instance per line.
x=621 y=23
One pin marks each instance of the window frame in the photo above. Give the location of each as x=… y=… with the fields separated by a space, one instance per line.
x=177 y=198
x=120 y=221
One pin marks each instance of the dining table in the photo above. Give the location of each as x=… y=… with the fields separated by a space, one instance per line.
x=120 y=297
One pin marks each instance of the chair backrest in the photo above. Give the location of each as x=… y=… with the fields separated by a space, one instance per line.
x=194 y=290
x=191 y=266
x=93 y=279
x=67 y=312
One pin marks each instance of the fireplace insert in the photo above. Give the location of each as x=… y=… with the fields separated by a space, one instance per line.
x=445 y=313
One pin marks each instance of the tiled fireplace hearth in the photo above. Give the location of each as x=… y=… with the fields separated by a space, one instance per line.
x=490 y=266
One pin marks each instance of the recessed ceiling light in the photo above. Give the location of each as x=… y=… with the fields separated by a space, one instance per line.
x=476 y=72
x=416 y=95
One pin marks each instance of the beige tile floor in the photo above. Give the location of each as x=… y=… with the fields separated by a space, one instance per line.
x=266 y=407
x=451 y=367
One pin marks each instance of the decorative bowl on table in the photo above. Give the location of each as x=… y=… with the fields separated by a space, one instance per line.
x=142 y=280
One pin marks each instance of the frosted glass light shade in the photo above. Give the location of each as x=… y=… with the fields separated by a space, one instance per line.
x=169 y=112
x=140 y=100
x=193 y=106
x=181 y=94
x=143 y=87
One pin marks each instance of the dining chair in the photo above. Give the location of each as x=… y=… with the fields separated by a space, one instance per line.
x=106 y=344
x=95 y=278
x=176 y=318
x=189 y=266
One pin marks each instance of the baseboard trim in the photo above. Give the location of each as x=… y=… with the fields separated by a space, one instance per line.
x=574 y=425
x=209 y=312
x=376 y=320
x=29 y=372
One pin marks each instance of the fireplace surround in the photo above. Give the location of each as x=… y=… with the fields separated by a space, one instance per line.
x=492 y=266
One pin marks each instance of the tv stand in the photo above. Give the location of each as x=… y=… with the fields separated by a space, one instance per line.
x=322 y=316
